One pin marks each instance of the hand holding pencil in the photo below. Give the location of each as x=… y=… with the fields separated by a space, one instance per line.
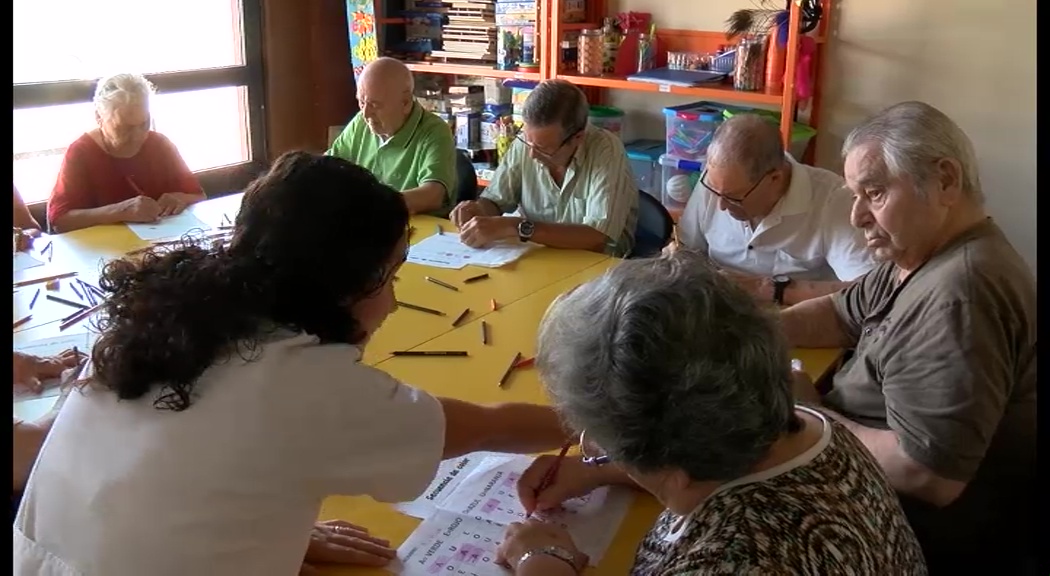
x=551 y=480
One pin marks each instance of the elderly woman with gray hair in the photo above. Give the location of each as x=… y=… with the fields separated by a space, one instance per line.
x=681 y=385
x=121 y=171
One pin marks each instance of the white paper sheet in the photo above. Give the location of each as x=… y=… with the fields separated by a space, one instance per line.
x=51 y=347
x=168 y=227
x=488 y=497
x=451 y=543
x=446 y=251
x=449 y=475
x=25 y=261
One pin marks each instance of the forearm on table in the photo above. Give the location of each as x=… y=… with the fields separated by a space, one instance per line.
x=905 y=474
x=510 y=427
x=488 y=207
x=570 y=236
x=87 y=217
x=814 y=324
x=428 y=197
x=802 y=290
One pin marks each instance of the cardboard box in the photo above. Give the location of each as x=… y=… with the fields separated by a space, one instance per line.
x=468 y=129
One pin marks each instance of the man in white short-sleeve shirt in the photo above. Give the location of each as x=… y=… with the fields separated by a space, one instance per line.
x=280 y=434
x=780 y=228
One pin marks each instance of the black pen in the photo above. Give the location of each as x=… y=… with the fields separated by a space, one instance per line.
x=430 y=353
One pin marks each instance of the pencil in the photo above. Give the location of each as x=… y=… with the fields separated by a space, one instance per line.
x=135 y=187
x=440 y=283
x=430 y=353
x=484 y=332
x=525 y=363
x=77 y=292
x=67 y=302
x=475 y=278
x=33 y=301
x=510 y=368
x=75 y=318
x=420 y=308
x=460 y=318
x=552 y=473
x=25 y=283
x=87 y=292
x=492 y=304
x=46 y=248
x=22 y=321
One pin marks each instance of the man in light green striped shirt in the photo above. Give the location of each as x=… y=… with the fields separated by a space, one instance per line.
x=568 y=181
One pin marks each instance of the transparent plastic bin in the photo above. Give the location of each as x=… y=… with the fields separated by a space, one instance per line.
x=801 y=134
x=690 y=128
x=680 y=178
x=644 y=159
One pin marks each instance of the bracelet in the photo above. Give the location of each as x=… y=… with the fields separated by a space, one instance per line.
x=552 y=551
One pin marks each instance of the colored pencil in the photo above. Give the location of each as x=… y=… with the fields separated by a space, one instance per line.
x=75 y=318
x=473 y=279
x=510 y=369
x=525 y=363
x=420 y=308
x=460 y=318
x=430 y=353
x=484 y=332
x=67 y=302
x=22 y=321
x=33 y=301
x=24 y=283
x=552 y=473
x=433 y=280
x=492 y=304
x=76 y=291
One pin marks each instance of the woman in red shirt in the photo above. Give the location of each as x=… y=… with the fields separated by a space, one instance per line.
x=121 y=171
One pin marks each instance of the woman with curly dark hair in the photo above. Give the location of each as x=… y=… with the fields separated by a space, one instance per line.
x=229 y=399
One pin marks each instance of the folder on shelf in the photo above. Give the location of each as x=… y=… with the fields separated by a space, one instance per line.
x=677 y=77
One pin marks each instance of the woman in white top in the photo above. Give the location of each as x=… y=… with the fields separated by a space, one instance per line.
x=229 y=398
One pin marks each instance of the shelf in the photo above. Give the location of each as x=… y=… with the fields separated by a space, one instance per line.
x=391 y=20
x=470 y=70
x=722 y=93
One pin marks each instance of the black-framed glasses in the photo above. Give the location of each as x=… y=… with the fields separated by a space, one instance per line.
x=518 y=136
x=589 y=460
x=736 y=201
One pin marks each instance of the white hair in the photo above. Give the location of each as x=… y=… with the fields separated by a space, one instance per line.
x=913 y=136
x=119 y=90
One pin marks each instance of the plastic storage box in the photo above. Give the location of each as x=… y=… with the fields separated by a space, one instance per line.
x=680 y=178
x=644 y=159
x=690 y=128
x=607 y=117
x=801 y=134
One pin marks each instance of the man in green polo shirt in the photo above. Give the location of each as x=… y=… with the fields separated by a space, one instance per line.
x=405 y=146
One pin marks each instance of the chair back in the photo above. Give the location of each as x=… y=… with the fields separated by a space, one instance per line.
x=466 y=178
x=654 y=229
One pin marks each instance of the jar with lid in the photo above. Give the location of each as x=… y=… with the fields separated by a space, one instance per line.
x=590 y=55
x=611 y=39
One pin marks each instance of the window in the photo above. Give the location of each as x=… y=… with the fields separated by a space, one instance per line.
x=204 y=56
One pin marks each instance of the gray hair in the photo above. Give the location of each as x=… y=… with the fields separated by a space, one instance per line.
x=913 y=136
x=557 y=103
x=750 y=141
x=113 y=92
x=669 y=365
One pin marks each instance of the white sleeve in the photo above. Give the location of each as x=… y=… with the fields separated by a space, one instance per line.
x=381 y=437
x=847 y=249
x=690 y=224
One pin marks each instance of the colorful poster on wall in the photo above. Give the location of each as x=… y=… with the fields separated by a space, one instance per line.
x=361 y=20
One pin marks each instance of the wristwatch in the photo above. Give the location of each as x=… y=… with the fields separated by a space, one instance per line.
x=525 y=230
x=780 y=282
x=553 y=551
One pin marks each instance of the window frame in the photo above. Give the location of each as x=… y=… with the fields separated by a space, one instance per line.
x=217 y=181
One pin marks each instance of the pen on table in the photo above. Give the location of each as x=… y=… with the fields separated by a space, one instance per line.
x=430 y=353
x=475 y=278
x=67 y=302
x=484 y=332
x=492 y=304
x=552 y=473
x=75 y=291
x=33 y=301
x=510 y=369
x=420 y=308
x=46 y=247
x=460 y=318
x=22 y=321
x=433 y=280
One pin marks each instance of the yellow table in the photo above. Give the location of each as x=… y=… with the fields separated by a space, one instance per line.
x=475 y=378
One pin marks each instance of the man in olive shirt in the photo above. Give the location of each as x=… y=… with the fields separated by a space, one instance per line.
x=569 y=182
x=942 y=384
x=406 y=147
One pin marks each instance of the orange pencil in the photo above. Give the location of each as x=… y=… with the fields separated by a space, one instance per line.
x=492 y=304
x=510 y=369
x=525 y=363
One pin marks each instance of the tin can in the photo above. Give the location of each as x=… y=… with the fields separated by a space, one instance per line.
x=590 y=54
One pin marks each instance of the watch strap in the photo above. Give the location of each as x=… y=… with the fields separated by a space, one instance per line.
x=778 y=292
x=553 y=551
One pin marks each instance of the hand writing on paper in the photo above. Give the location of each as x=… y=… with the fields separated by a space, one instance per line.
x=533 y=535
x=139 y=209
x=23 y=238
x=172 y=203
x=339 y=542
x=574 y=479
x=464 y=212
x=484 y=230
x=30 y=370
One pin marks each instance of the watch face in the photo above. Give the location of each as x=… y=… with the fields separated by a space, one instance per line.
x=781 y=279
x=525 y=229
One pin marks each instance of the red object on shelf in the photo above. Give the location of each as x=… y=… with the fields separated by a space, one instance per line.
x=627 y=55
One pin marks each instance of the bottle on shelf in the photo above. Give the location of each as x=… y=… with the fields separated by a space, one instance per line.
x=611 y=39
x=590 y=55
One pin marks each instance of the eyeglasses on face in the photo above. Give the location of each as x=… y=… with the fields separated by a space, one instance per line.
x=519 y=136
x=588 y=460
x=735 y=200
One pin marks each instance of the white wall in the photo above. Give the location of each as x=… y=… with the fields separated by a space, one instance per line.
x=973 y=59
